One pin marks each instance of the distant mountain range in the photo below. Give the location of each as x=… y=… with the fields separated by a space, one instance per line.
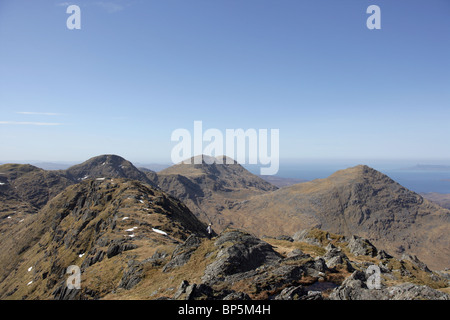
x=138 y=233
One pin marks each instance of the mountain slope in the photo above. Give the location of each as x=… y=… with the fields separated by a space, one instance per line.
x=359 y=201
x=89 y=225
x=209 y=188
x=24 y=189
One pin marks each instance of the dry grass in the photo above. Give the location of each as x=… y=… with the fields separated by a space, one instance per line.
x=157 y=284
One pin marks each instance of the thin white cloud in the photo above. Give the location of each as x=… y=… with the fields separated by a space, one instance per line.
x=39 y=113
x=63 y=4
x=110 y=7
x=26 y=123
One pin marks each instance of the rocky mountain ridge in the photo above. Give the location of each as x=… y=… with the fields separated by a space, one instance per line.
x=134 y=238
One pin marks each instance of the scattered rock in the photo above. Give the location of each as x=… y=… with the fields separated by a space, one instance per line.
x=183 y=253
x=414 y=260
x=304 y=236
x=132 y=275
x=240 y=252
x=335 y=257
x=285 y=238
x=237 y=296
x=117 y=247
x=355 y=288
x=292 y=293
x=361 y=247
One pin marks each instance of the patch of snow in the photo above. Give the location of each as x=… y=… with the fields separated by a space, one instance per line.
x=30 y=268
x=131 y=229
x=29 y=283
x=9 y=217
x=85 y=177
x=100 y=179
x=132 y=235
x=21 y=220
x=124 y=218
x=141 y=201
x=159 y=231
x=2 y=184
x=81 y=255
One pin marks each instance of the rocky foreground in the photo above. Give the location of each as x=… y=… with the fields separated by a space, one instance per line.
x=311 y=265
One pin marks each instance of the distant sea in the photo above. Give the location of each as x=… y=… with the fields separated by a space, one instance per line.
x=415 y=179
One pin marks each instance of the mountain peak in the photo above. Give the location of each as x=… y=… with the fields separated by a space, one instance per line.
x=361 y=173
x=106 y=166
x=209 y=160
x=359 y=200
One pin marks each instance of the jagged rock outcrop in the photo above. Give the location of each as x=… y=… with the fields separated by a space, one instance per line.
x=359 y=246
x=239 y=252
x=182 y=253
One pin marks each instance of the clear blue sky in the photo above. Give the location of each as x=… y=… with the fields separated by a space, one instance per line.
x=137 y=70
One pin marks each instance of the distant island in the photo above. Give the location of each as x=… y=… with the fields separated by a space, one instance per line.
x=429 y=167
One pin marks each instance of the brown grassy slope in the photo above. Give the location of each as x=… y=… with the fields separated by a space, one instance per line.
x=83 y=220
x=359 y=201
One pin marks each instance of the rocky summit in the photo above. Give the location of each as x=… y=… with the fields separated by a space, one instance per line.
x=209 y=188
